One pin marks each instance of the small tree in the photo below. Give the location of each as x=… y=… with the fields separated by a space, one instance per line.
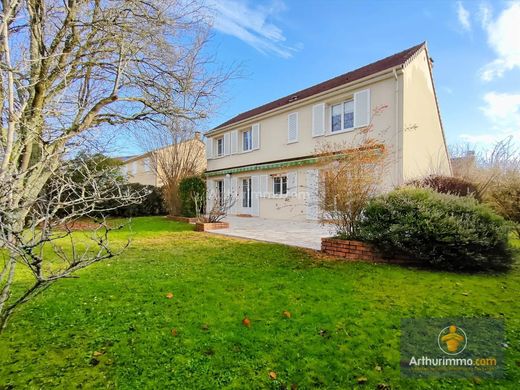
x=191 y=191
x=504 y=198
x=352 y=173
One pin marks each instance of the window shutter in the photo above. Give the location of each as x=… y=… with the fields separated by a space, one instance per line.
x=234 y=195
x=312 y=194
x=292 y=183
x=210 y=192
x=264 y=186
x=292 y=127
x=255 y=199
x=362 y=108
x=227 y=144
x=209 y=147
x=318 y=120
x=234 y=142
x=255 y=131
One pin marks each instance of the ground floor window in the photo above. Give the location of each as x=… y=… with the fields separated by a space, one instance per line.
x=280 y=185
x=220 y=192
x=246 y=192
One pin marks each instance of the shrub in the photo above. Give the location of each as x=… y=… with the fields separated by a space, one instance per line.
x=152 y=204
x=504 y=197
x=447 y=185
x=192 y=193
x=439 y=230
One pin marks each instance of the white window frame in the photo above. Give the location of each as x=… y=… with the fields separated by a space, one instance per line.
x=342 y=125
x=248 y=200
x=250 y=140
x=219 y=142
x=281 y=184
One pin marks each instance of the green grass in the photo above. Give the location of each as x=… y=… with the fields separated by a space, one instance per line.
x=119 y=308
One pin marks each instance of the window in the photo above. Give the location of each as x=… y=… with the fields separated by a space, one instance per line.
x=220 y=192
x=133 y=169
x=247 y=140
x=220 y=146
x=342 y=116
x=246 y=192
x=146 y=164
x=280 y=185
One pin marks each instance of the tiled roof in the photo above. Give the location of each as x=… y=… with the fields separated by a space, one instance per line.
x=367 y=70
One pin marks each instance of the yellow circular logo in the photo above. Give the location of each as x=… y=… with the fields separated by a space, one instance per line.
x=452 y=340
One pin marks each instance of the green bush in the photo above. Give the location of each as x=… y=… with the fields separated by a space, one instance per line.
x=443 y=231
x=152 y=204
x=191 y=188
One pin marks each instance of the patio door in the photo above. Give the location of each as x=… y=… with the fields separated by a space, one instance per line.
x=247 y=199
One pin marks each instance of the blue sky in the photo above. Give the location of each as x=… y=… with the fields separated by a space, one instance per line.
x=284 y=46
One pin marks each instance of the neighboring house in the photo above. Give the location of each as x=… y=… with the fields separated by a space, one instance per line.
x=141 y=169
x=266 y=156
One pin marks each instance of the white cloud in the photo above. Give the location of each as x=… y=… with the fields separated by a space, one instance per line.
x=253 y=24
x=503 y=37
x=463 y=15
x=503 y=112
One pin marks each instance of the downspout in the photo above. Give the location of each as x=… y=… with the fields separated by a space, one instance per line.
x=396 y=105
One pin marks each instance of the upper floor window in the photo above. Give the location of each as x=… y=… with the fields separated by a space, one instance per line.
x=146 y=165
x=342 y=116
x=220 y=146
x=280 y=185
x=247 y=140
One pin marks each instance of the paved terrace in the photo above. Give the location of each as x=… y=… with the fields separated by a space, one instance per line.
x=295 y=233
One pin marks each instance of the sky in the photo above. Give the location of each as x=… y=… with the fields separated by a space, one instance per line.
x=283 y=46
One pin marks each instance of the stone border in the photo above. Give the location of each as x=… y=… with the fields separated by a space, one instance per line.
x=357 y=250
x=205 y=226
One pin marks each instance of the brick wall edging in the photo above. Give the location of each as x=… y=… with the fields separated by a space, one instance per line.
x=205 y=226
x=357 y=250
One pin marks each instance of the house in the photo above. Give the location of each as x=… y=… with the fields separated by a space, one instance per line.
x=266 y=156
x=147 y=168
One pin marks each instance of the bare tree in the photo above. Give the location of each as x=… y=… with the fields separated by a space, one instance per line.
x=68 y=68
x=351 y=174
x=177 y=152
x=218 y=207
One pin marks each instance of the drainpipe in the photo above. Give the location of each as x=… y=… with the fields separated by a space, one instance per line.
x=396 y=104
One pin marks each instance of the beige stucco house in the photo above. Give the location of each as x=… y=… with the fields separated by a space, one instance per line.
x=146 y=168
x=267 y=156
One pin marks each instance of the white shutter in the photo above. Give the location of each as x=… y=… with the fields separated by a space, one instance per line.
x=234 y=195
x=210 y=192
x=234 y=141
x=227 y=187
x=264 y=180
x=292 y=183
x=362 y=108
x=255 y=131
x=318 y=120
x=227 y=144
x=312 y=202
x=292 y=127
x=255 y=199
x=209 y=147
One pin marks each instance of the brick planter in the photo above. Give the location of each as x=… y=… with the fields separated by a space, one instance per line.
x=182 y=219
x=357 y=250
x=205 y=226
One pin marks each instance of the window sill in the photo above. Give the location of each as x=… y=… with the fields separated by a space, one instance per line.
x=292 y=142
x=349 y=130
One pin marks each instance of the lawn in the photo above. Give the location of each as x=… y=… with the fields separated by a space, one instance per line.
x=112 y=327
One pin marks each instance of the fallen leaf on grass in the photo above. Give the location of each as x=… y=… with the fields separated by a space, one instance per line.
x=174 y=332
x=287 y=314
x=98 y=353
x=169 y=295
x=362 y=379
x=272 y=375
x=246 y=322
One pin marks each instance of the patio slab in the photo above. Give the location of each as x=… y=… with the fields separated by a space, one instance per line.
x=303 y=234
